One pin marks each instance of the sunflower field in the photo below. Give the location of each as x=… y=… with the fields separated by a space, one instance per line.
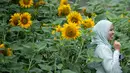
x=54 y=36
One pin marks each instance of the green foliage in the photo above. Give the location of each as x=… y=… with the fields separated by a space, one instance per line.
x=36 y=51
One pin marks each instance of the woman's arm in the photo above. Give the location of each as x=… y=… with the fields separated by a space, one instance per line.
x=110 y=60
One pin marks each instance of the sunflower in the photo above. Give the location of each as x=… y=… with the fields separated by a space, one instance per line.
x=55 y=38
x=25 y=20
x=9 y=52
x=64 y=9
x=58 y=28
x=70 y=30
x=84 y=10
x=14 y=19
x=94 y=14
x=40 y=2
x=74 y=17
x=88 y=23
x=63 y=2
x=128 y=20
x=53 y=32
x=2 y=46
x=26 y=3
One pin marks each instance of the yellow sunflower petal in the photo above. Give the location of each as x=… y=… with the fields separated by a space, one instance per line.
x=14 y=19
x=74 y=17
x=53 y=32
x=64 y=10
x=88 y=23
x=70 y=31
x=9 y=52
x=63 y=2
x=58 y=28
x=26 y=3
x=40 y=2
x=128 y=20
x=2 y=46
x=25 y=20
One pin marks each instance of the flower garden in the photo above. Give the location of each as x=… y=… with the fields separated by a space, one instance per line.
x=54 y=36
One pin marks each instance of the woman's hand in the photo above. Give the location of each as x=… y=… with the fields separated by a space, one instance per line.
x=117 y=45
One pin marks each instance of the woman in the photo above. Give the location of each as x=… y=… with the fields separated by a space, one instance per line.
x=104 y=33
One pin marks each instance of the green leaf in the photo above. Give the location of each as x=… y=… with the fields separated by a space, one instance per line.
x=67 y=71
x=41 y=45
x=111 y=15
x=38 y=59
x=36 y=70
x=16 y=47
x=59 y=66
x=59 y=21
x=75 y=67
x=45 y=67
x=17 y=28
x=46 y=29
x=100 y=17
x=52 y=48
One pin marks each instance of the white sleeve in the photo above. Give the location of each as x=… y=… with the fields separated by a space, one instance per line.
x=110 y=60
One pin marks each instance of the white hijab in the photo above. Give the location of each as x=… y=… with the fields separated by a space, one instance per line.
x=101 y=30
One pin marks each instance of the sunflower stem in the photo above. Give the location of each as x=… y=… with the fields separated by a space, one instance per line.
x=79 y=51
x=55 y=66
x=30 y=63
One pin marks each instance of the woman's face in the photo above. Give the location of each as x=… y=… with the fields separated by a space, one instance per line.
x=111 y=33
